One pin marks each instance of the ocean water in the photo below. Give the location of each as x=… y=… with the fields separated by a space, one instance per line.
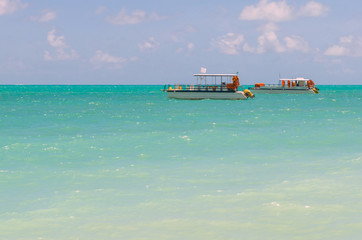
x=126 y=162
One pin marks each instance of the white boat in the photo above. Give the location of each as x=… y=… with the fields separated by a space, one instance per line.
x=210 y=86
x=287 y=85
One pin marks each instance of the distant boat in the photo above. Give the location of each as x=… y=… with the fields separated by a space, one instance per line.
x=209 y=86
x=287 y=85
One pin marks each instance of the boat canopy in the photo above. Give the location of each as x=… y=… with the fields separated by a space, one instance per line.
x=213 y=78
x=214 y=75
x=295 y=79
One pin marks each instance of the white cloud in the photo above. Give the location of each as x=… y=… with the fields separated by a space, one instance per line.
x=188 y=49
x=180 y=33
x=313 y=9
x=54 y=41
x=348 y=39
x=190 y=46
x=247 y=48
x=297 y=43
x=10 y=6
x=181 y=36
x=137 y=16
x=269 y=42
x=230 y=43
x=60 y=54
x=101 y=59
x=150 y=44
x=60 y=47
x=337 y=51
x=269 y=27
x=48 y=16
x=264 y=10
x=279 y=11
x=348 y=46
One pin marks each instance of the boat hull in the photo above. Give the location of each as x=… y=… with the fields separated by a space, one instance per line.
x=282 y=91
x=198 y=95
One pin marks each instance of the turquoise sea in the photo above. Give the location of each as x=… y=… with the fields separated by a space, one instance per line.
x=126 y=162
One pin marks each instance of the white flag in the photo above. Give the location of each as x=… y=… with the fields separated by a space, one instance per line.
x=203 y=70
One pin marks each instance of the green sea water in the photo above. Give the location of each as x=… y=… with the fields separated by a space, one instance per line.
x=126 y=162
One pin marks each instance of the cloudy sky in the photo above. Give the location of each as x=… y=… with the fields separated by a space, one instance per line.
x=162 y=41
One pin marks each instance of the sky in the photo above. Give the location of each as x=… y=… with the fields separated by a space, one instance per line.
x=166 y=42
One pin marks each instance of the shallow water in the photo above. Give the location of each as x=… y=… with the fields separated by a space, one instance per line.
x=126 y=162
